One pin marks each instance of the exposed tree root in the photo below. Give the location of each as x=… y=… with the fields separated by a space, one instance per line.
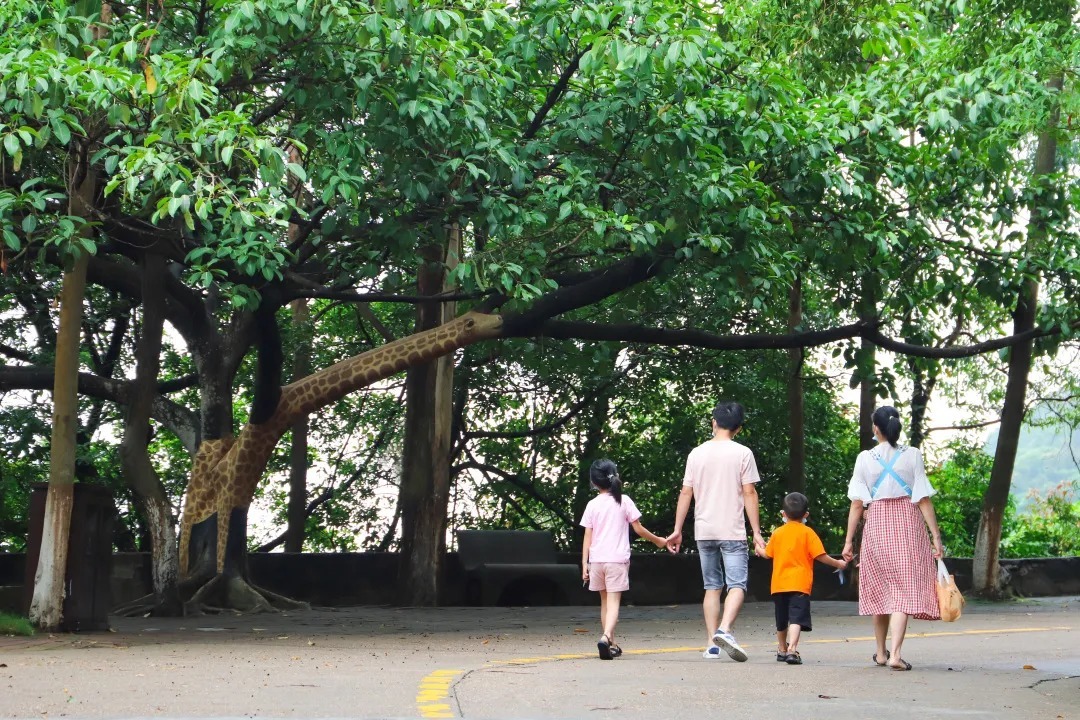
x=216 y=595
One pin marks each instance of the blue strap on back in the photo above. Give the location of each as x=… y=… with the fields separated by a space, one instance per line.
x=886 y=472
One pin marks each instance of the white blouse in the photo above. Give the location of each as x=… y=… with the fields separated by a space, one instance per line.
x=908 y=466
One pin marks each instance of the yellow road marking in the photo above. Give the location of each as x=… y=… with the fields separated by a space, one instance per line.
x=433 y=692
x=692 y=648
x=435 y=688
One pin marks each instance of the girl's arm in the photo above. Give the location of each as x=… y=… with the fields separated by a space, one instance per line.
x=643 y=532
x=585 y=554
x=853 y=517
x=824 y=558
x=930 y=517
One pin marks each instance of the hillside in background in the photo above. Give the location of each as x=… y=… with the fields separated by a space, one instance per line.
x=1047 y=456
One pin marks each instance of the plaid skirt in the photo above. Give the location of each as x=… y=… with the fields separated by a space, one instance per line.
x=896 y=564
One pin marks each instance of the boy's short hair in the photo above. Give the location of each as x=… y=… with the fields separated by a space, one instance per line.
x=795 y=505
x=728 y=415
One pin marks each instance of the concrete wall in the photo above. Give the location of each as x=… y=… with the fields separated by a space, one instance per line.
x=341 y=579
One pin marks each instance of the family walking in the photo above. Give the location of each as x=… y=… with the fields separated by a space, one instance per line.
x=889 y=493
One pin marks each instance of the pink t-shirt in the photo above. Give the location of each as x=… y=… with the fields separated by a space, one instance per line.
x=717 y=470
x=610 y=521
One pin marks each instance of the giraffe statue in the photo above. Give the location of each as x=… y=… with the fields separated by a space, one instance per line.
x=226 y=471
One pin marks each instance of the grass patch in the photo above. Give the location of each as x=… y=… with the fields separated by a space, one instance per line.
x=15 y=625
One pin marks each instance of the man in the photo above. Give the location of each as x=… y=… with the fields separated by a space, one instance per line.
x=720 y=477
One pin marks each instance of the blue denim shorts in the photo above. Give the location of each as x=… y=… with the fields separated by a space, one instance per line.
x=724 y=560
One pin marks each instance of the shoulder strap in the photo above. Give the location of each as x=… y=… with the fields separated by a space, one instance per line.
x=887 y=471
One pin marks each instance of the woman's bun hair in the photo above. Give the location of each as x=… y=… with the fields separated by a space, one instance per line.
x=887 y=421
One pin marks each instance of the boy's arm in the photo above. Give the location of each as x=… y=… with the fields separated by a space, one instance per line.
x=643 y=532
x=825 y=558
x=585 y=553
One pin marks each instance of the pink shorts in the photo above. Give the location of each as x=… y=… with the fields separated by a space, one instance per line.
x=609 y=577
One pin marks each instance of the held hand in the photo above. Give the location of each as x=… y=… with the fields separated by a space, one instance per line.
x=660 y=542
x=759 y=544
x=674 y=542
x=848 y=554
x=842 y=565
x=760 y=552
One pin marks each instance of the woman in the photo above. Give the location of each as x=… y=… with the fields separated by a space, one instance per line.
x=896 y=568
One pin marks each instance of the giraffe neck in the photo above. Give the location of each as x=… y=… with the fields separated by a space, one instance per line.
x=329 y=385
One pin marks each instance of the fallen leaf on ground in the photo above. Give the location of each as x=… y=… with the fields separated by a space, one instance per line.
x=1029 y=667
x=580 y=630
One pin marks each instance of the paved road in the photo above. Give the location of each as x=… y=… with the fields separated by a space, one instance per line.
x=1019 y=660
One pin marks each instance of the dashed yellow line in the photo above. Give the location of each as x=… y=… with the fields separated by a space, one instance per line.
x=434 y=693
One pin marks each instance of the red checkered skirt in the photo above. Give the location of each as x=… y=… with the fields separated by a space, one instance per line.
x=896 y=565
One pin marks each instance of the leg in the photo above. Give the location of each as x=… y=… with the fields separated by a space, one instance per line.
x=793 y=632
x=711 y=607
x=603 y=609
x=712 y=575
x=780 y=612
x=881 y=629
x=611 y=615
x=736 y=561
x=897 y=628
x=736 y=572
x=732 y=606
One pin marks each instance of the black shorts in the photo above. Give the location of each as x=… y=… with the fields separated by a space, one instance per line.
x=792 y=608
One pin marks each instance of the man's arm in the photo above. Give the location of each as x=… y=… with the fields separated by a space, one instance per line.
x=674 y=540
x=750 y=501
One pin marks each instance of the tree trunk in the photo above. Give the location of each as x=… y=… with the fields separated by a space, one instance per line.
x=425 y=468
x=298 y=452
x=796 y=398
x=985 y=568
x=590 y=452
x=152 y=499
x=923 y=382
x=47 y=605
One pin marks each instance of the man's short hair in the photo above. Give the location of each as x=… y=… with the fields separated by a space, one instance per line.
x=795 y=505
x=728 y=415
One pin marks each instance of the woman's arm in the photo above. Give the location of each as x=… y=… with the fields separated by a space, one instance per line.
x=585 y=544
x=927 y=508
x=643 y=532
x=853 y=518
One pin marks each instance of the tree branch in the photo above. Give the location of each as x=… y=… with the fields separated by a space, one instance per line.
x=179 y=420
x=554 y=94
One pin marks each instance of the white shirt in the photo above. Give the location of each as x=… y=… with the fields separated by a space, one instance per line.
x=909 y=466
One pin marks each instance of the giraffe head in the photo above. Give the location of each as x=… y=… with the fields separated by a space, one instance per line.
x=478 y=326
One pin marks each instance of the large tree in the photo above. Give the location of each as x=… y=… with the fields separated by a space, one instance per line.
x=646 y=172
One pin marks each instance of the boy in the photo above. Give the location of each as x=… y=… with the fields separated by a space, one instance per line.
x=793 y=548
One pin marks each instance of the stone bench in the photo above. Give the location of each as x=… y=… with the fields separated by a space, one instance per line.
x=515 y=567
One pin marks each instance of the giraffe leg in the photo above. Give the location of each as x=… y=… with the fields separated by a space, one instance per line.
x=185 y=543
x=223 y=516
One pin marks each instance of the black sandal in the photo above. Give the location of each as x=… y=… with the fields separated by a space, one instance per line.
x=604 y=648
x=903 y=667
x=881 y=664
x=616 y=651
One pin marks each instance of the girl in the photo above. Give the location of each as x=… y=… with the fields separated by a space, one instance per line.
x=605 y=554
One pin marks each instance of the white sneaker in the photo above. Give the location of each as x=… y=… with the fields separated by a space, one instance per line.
x=727 y=641
x=711 y=653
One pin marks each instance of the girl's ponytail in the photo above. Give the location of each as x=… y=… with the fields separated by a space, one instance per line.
x=604 y=474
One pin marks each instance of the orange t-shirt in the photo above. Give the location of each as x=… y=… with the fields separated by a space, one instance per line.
x=793 y=548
